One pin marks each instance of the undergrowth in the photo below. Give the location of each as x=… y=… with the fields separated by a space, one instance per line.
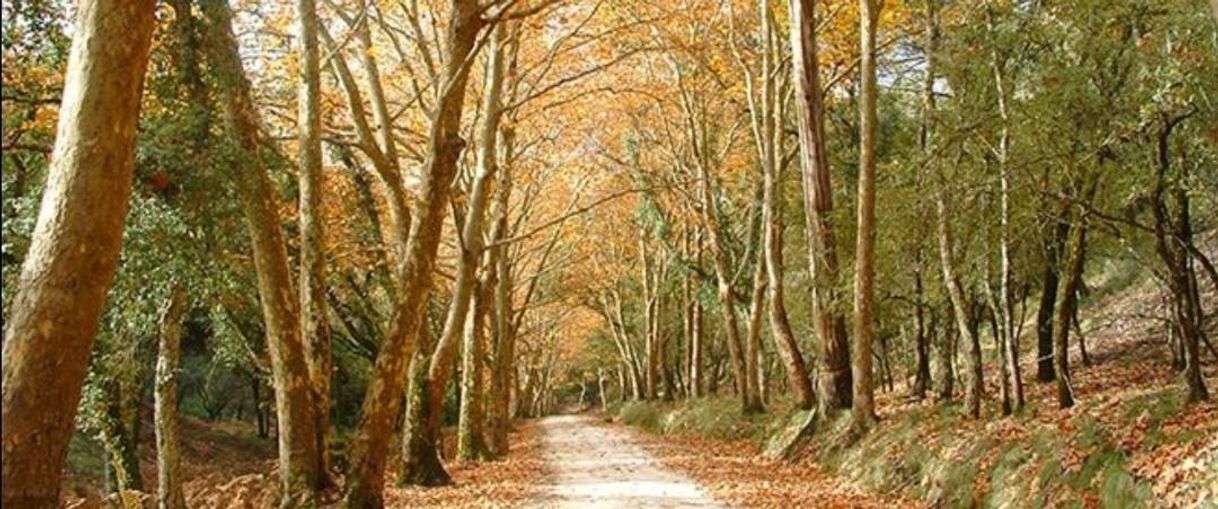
x=931 y=453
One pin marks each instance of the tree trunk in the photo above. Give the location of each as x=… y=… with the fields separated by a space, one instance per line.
x=120 y=437
x=1009 y=340
x=1066 y=296
x=314 y=325
x=471 y=442
x=421 y=463
x=168 y=463
x=294 y=398
x=863 y=414
x=752 y=358
x=1054 y=244
x=973 y=388
x=947 y=356
x=784 y=338
x=75 y=246
x=1171 y=243
x=383 y=400
x=471 y=249
x=835 y=380
x=502 y=374
x=697 y=332
x=922 y=379
x=651 y=319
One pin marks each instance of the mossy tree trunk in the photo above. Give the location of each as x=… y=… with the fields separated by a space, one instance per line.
x=165 y=395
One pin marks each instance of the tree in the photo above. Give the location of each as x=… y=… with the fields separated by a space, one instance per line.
x=771 y=145
x=299 y=456
x=382 y=403
x=314 y=322
x=863 y=414
x=168 y=461
x=62 y=287
x=471 y=444
x=834 y=386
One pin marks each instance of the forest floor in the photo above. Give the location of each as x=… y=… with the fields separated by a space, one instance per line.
x=736 y=472
x=227 y=466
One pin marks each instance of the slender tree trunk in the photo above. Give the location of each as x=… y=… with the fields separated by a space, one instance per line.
x=294 y=397
x=727 y=293
x=922 y=378
x=1009 y=342
x=442 y=361
x=75 y=246
x=863 y=414
x=314 y=325
x=947 y=356
x=752 y=358
x=1191 y=317
x=835 y=380
x=165 y=394
x=784 y=338
x=1066 y=296
x=382 y=403
x=973 y=389
x=502 y=375
x=1171 y=243
x=697 y=332
x=651 y=354
x=601 y=394
x=120 y=438
x=1054 y=245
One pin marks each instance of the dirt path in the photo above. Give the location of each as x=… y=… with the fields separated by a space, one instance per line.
x=597 y=466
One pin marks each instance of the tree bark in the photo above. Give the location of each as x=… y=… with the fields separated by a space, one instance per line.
x=752 y=358
x=784 y=338
x=383 y=400
x=314 y=323
x=504 y=370
x=1067 y=293
x=1006 y=301
x=863 y=414
x=294 y=396
x=947 y=355
x=471 y=442
x=834 y=383
x=165 y=394
x=1053 y=245
x=420 y=460
x=1171 y=242
x=75 y=247
x=697 y=332
x=973 y=389
x=922 y=378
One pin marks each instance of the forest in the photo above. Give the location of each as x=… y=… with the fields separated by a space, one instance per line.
x=610 y=253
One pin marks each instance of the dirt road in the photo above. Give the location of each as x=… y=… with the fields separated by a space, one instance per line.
x=597 y=466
